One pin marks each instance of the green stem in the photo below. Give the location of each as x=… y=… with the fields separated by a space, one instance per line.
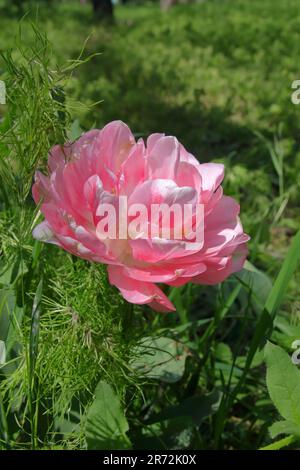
x=286 y=441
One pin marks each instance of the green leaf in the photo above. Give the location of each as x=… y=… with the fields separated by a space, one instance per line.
x=284 y=427
x=283 y=382
x=160 y=358
x=172 y=434
x=3 y=422
x=257 y=282
x=35 y=327
x=280 y=286
x=223 y=353
x=75 y=131
x=11 y=273
x=265 y=323
x=287 y=328
x=68 y=423
x=181 y=329
x=288 y=333
x=195 y=408
x=7 y=305
x=280 y=444
x=263 y=328
x=10 y=320
x=176 y=297
x=106 y=425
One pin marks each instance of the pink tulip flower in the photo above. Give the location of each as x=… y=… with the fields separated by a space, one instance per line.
x=104 y=166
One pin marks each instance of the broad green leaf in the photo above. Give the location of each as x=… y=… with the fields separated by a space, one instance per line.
x=286 y=327
x=195 y=408
x=283 y=340
x=12 y=342
x=160 y=358
x=285 y=442
x=10 y=320
x=68 y=423
x=228 y=370
x=176 y=433
x=287 y=334
x=10 y=325
x=284 y=427
x=283 y=382
x=106 y=424
x=11 y=272
x=257 y=282
x=257 y=360
x=223 y=353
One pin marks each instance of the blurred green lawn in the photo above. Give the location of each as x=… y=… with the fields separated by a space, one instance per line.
x=217 y=75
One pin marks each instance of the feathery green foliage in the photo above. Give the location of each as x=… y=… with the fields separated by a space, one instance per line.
x=194 y=379
x=71 y=330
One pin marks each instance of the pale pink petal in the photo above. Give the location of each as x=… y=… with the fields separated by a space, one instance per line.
x=160 y=191
x=112 y=146
x=163 y=159
x=212 y=175
x=224 y=214
x=57 y=156
x=164 y=273
x=187 y=157
x=218 y=269
x=154 y=250
x=91 y=242
x=92 y=190
x=57 y=218
x=152 y=139
x=133 y=169
x=41 y=187
x=138 y=292
x=43 y=233
x=188 y=175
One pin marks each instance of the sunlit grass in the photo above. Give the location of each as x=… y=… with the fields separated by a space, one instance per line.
x=223 y=88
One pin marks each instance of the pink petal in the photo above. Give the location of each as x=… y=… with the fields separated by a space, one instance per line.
x=165 y=273
x=41 y=187
x=160 y=191
x=152 y=139
x=188 y=175
x=187 y=157
x=138 y=292
x=219 y=269
x=157 y=249
x=163 y=159
x=92 y=191
x=57 y=156
x=133 y=169
x=212 y=175
x=43 y=233
x=112 y=146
